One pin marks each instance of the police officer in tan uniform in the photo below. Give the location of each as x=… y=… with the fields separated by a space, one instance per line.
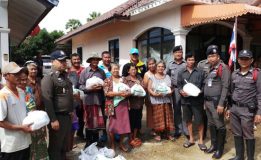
x=215 y=93
x=57 y=96
x=246 y=105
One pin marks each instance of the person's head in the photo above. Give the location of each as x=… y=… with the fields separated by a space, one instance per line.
x=94 y=59
x=23 y=77
x=134 y=55
x=39 y=54
x=190 y=58
x=160 y=67
x=213 y=55
x=11 y=73
x=59 y=60
x=115 y=70
x=245 y=58
x=106 y=58
x=151 y=64
x=132 y=70
x=75 y=60
x=178 y=53
x=32 y=68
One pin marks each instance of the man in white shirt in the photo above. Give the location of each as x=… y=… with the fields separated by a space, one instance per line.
x=15 y=137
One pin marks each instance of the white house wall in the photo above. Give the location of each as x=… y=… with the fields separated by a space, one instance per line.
x=97 y=39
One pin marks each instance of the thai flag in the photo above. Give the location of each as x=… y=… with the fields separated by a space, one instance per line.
x=233 y=47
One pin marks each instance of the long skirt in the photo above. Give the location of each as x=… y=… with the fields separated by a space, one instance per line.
x=120 y=122
x=93 y=118
x=163 y=117
x=149 y=112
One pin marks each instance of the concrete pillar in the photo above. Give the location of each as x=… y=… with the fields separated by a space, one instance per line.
x=247 y=41
x=4 y=33
x=180 y=37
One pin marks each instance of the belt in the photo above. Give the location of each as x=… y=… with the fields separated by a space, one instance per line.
x=211 y=98
x=63 y=113
x=239 y=104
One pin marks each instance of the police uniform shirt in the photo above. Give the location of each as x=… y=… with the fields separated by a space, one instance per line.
x=204 y=66
x=216 y=86
x=245 y=89
x=57 y=93
x=173 y=69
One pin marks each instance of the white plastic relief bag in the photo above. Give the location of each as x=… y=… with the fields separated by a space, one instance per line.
x=109 y=153
x=38 y=119
x=137 y=90
x=162 y=88
x=119 y=87
x=191 y=89
x=93 y=153
x=94 y=81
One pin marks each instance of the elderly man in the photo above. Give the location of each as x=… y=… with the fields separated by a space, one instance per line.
x=15 y=137
x=57 y=96
x=94 y=97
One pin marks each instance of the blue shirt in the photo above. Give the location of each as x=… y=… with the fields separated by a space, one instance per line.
x=107 y=72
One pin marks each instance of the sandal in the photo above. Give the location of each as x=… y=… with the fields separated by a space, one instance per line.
x=202 y=147
x=157 y=138
x=138 y=140
x=125 y=149
x=134 y=143
x=188 y=144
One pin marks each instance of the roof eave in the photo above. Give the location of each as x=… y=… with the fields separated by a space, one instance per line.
x=65 y=39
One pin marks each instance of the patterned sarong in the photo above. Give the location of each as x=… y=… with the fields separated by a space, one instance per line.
x=93 y=117
x=163 y=117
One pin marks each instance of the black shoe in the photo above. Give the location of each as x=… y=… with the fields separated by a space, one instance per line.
x=213 y=138
x=187 y=136
x=239 y=146
x=220 y=144
x=250 y=144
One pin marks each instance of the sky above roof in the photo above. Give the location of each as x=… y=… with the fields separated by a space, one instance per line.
x=75 y=9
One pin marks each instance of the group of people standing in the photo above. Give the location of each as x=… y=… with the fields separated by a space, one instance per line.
x=171 y=110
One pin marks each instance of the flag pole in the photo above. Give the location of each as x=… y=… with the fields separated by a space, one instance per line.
x=235 y=63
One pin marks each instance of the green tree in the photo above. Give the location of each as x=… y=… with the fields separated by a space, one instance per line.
x=72 y=24
x=28 y=48
x=93 y=15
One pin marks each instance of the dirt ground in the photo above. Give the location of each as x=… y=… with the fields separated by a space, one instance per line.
x=167 y=150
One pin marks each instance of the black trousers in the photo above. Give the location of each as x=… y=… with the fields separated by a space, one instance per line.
x=58 y=140
x=18 y=155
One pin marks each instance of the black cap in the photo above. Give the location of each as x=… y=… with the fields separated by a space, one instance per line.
x=177 y=48
x=245 y=53
x=58 y=54
x=212 y=49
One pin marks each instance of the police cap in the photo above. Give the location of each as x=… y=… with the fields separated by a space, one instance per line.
x=245 y=53
x=58 y=55
x=212 y=49
x=177 y=48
